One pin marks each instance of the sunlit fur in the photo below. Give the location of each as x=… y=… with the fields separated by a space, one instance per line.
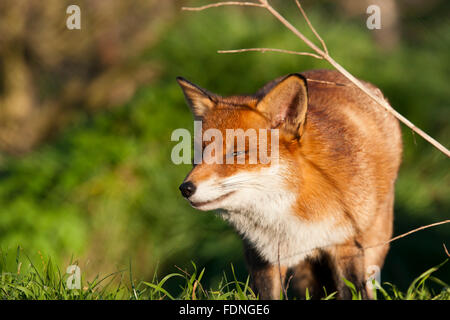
x=329 y=196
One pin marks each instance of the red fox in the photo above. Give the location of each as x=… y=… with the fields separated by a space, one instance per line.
x=308 y=217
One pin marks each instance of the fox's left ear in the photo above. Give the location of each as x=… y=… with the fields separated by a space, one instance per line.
x=199 y=100
x=286 y=103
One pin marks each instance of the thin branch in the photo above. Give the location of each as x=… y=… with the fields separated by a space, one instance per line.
x=372 y=246
x=283 y=288
x=324 y=46
x=273 y=50
x=294 y=30
x=288 y=283
x=193 y=290
x=324 y=54
x=221 y=4
x=446 y=251
x=408 y=233
x=196 y=281
x=327 y=82
x=355 y=81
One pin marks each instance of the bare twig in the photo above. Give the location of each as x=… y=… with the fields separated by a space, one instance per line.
x=195 y=284
x=324 y=54
x=288 y=282
x=283 y=288
x=408 y=233
x=193 y=290
x=324 y=46
x=371 y=246
x=327 y=82
x=446 y=251
x=355 y=81
x=273 y=50
x=221 y=4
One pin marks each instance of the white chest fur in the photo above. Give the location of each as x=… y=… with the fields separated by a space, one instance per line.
x=278 y=235
x=261 y=209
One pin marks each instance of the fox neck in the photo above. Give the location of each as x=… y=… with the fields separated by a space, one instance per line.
x=281 y=227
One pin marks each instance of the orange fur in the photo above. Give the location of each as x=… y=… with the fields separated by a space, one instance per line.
x=340 y=154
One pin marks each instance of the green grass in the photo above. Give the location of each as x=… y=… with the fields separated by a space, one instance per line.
x=21 y=278
x=104 y=188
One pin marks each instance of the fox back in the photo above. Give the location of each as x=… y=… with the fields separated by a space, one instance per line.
x=313 y=213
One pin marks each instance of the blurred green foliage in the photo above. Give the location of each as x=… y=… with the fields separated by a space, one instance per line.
x=106 y=192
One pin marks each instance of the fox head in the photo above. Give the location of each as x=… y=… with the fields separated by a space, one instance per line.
x=227 y=179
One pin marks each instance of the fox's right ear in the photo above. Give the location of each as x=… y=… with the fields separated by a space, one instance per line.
x=286 y=103
x=199 y=100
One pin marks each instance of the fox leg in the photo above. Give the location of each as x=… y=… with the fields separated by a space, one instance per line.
x=348 y=263
x=313 y=274
x=379 y=232
x=266 y=278
x=303 y=278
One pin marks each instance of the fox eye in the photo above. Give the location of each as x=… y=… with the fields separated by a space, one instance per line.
x=237 y=153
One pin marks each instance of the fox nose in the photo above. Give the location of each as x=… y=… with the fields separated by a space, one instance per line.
x=187 y=189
